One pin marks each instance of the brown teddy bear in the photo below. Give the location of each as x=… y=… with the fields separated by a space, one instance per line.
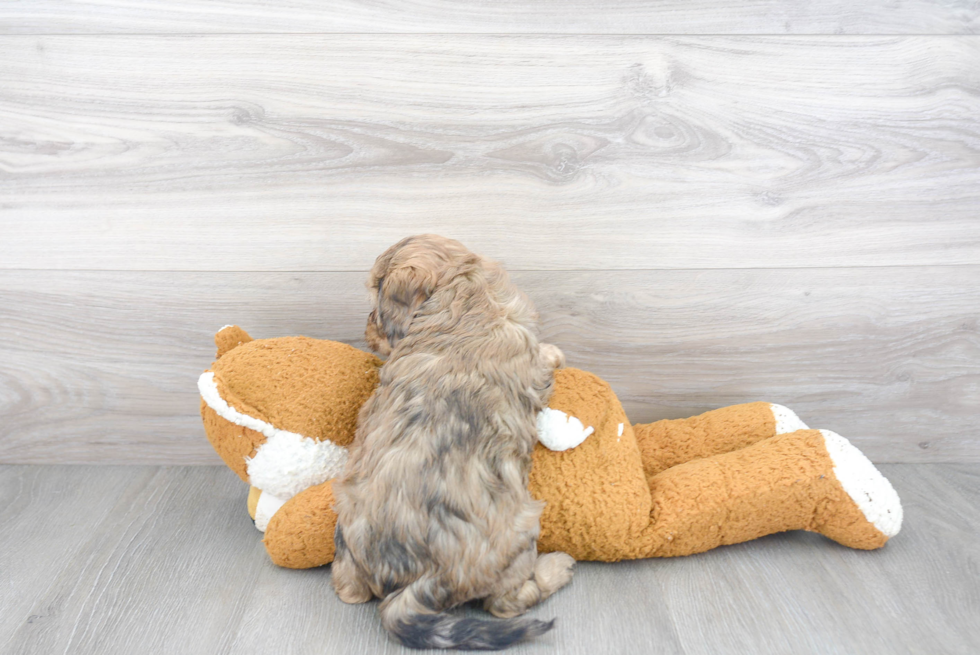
x=281 y=412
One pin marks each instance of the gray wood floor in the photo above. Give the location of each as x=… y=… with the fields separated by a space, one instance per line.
x=164 y=560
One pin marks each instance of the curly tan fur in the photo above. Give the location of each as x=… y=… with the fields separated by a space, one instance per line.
x=433 y=507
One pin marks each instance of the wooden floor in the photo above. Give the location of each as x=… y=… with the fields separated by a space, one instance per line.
x=164 y=560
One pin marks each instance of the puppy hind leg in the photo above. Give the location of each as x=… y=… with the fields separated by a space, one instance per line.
x=348 y=583
x=551 y=572
x=346 y=577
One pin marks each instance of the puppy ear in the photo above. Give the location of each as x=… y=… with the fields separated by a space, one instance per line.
x=400 y=294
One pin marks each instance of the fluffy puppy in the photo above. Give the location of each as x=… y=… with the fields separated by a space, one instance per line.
x=433 y=507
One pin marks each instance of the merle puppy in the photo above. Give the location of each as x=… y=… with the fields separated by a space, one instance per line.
x=433 y=507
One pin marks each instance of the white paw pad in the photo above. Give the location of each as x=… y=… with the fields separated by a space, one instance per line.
x=786 y=419
x=865 y=484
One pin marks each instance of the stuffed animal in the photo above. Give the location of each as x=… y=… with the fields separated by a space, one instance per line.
x=281 y=412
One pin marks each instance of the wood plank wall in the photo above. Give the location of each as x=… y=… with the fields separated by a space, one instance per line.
x=710 y=203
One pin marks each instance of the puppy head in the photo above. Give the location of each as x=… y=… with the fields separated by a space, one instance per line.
x=404 y=278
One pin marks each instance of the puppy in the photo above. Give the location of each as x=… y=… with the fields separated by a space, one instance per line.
x=433 y=507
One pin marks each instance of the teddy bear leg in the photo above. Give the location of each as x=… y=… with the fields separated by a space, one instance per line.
x=262 y=506
x=300 y=535
x=670 y=442
x=806 y=480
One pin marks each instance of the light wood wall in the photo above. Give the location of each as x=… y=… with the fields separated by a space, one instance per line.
x=708 y=204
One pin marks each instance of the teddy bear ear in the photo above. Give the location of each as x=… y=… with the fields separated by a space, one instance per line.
x=229 y=337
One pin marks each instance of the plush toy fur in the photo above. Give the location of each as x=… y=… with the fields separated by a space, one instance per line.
x=281 y=412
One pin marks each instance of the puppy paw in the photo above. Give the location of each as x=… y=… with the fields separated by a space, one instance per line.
x=353 y=594
x=349 y=585
x=552 y=355
x=553 y=571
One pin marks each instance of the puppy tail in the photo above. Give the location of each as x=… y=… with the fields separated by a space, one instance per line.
x=417 y=625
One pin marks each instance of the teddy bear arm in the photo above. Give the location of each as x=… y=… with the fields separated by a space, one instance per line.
x=596 y=496
x=300 y=534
